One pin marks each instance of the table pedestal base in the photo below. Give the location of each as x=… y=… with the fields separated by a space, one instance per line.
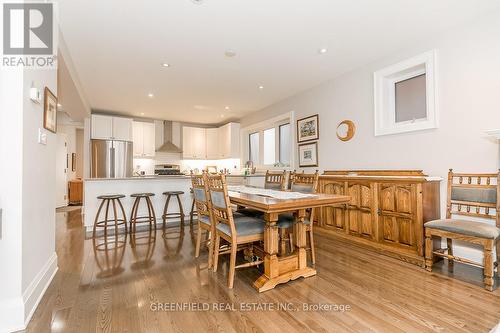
x=263 y=283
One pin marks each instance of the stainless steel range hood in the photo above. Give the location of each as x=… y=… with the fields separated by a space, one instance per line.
x=168 y=146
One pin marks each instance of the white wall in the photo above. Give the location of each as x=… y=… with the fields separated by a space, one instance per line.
x=27 y=197
x=469 y=83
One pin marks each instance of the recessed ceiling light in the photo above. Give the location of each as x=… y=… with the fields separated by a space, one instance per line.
x=150 y=95
x=165 y=65
x=322 y=50
x=59 y=105
x=226 y=107
x=222 y=116
x=261 y=87
x=230 y=53
x=142 y=113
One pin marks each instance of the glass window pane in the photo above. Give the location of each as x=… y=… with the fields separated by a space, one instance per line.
x=411 y=99
x=269 y=146
x=254 y=148
x=285 y=144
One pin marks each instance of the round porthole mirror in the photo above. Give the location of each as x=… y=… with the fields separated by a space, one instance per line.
x=346 y=130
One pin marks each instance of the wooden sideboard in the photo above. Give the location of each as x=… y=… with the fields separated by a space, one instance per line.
x=387 y=209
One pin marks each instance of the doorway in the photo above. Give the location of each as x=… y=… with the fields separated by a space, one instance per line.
x=62 y=170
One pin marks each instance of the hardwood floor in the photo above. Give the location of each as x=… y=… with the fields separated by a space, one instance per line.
x=117 y=290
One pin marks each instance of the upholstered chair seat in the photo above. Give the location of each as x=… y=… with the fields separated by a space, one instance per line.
x=463 y=227
x=244 y=225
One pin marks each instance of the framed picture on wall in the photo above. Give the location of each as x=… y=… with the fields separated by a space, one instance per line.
x=308 y=129
x=50 y=111
x=308 y=155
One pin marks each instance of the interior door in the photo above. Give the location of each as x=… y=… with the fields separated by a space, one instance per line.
x=61 y=171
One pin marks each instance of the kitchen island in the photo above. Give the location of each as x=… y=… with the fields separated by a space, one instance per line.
x=94 y=187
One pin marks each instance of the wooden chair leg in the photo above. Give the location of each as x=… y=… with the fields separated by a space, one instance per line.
x=311 y=242
x=449 y=244
x=232 y=265
x=198 y=241
x=282 y=249
x=488 y=265
x=210 y=249
x=191 y=215
x=429 y=256
x=216 y=252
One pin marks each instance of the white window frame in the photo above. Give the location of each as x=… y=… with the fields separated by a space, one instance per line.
x=384 y=94
x=260 y=127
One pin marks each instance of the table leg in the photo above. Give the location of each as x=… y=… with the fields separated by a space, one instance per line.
x=286 y=268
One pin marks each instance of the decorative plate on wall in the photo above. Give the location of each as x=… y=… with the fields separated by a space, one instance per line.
x=346 y=130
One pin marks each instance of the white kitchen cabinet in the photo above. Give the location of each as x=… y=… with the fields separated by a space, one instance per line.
x=229 y=141
x=102 y=127
x=111 y=128
x=212 y=143
x=193 y=143
x=144 y=139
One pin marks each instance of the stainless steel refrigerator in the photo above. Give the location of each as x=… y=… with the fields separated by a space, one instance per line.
x=111 y=159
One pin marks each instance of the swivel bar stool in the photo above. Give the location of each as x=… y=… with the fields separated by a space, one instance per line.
x=150 y=218
x=116 y=221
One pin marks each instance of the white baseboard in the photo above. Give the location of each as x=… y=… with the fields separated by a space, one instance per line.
x=15 y=313
x=35 y=291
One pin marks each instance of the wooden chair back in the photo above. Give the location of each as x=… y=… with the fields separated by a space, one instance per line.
x=200 y=193
x=220 y=203
x=304 y=182
x=476 y=195
x=275 y=180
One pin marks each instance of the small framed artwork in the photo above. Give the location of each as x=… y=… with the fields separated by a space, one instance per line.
x=73 y=162
x=50 y=111
x=308 y=155
x=308 y=128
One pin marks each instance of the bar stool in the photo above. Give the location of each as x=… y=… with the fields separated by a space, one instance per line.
x=116 y=221
x=150 y=218
x=166 y=215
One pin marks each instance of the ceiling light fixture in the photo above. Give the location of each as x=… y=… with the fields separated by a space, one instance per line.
x=261 y=87
x=165 y=65
x=226 y=107
x=142 y=113
x=230 y=53
x=322 y=50
x=150 y=95
x=59 y=105
x=222 y=116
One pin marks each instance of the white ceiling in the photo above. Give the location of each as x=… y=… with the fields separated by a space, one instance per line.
x=118 y=46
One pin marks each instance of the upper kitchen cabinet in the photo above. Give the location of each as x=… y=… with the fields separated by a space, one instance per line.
x=111 y=128
x=229 y=141
x=212 y=143
x=194 y=143
x=144 y=139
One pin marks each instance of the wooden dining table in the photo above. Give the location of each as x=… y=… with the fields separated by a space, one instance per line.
x=284 y=268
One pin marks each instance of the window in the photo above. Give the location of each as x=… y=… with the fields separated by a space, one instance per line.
x=270 y=143
x=269 y=146
x=285 y=143
x=254 y=148
x=405 y=98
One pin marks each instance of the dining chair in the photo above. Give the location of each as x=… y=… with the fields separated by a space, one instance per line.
x=469 y=195
x=238 y=231
x=274 y=180
x=202 y=203
x=304 y=183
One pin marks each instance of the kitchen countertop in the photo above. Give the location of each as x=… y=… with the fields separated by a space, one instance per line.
x=160 y=177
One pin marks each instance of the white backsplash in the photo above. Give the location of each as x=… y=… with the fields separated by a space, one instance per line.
x=148 y=164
